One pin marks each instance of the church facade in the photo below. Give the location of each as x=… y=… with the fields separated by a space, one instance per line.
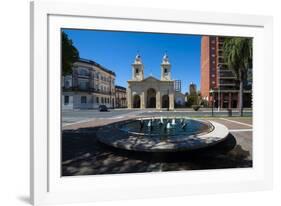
x=151 y=92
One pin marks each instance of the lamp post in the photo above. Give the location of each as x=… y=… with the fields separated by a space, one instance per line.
x=219 y=98
x=212 y=92
x=169 y=99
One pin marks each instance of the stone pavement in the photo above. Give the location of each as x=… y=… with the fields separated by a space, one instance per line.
x=82 y=154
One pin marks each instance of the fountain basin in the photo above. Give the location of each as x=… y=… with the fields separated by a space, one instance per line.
x=144 y=136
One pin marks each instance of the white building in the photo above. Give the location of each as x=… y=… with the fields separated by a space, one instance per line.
x=89 y=86
x=179 y=99
x=151 y=92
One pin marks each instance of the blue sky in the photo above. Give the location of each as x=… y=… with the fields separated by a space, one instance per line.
x=117 y=50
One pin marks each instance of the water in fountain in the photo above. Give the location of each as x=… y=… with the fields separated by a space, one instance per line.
x=183 y=125
x=165 y=126
x=161 y=122
x=149 y=123
x=173 y=122
x=141 y=124
x=169 y=125
x=181 y=121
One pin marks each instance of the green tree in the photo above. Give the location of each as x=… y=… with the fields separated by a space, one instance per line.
x=192 y=99
x=237 y=52
x=69 y=54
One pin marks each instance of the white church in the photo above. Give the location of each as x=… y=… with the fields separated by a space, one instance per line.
x=151 y=92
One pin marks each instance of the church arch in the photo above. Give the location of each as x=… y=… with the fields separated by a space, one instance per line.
x=165 y=101
x=136 y=101
x=151 y=98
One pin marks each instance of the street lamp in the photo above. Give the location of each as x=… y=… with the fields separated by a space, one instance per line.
x=219 y=95
x=212 y=92
x=169 y=99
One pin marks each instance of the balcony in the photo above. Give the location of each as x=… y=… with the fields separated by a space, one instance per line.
x=227 y=84
x=226 y=72
x=226 y=88
x=228 y=77
x=87 y=89
x=67 y=89
x=94 y=90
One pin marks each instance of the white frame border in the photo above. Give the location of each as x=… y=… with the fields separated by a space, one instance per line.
x=40 y=11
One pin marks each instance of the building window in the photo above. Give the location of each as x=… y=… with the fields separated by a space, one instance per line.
x=67 y=84
x=165 y=71
x=83 y=84
x=137 y=71
x=83 y=72
x=97 y=99
x=102 y=100
x=66 y=99
x=83 y=99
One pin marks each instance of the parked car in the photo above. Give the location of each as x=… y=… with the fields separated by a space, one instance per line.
x=103 y=108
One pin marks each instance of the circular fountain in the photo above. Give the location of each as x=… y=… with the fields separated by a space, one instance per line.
x=159 y=134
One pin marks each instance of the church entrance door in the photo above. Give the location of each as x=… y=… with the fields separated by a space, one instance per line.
x=165 y=101
x=151 y=98
x=136 y=101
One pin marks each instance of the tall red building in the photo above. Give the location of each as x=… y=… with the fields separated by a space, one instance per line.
x=217 y=80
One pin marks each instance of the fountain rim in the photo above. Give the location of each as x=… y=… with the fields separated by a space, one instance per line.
x=219 y=133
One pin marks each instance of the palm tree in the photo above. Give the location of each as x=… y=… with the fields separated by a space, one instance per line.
x=237 y=52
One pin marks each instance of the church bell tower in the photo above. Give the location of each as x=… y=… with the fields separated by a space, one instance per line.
x=137 y=69
x=165 y=68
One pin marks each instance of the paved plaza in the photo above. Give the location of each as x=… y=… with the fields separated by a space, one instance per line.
x=83 y=154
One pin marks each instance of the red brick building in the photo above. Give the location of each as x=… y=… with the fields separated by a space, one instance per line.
x=217 y=78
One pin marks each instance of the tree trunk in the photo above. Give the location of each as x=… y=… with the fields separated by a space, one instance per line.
x=241 y=89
